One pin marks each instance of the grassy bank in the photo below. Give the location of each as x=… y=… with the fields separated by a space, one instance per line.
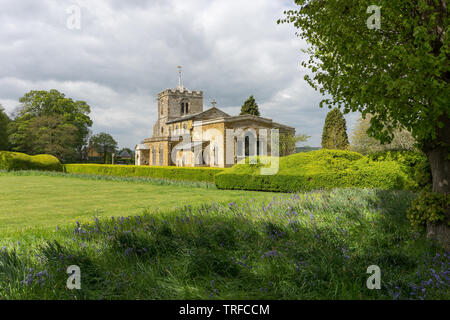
x=304 y=246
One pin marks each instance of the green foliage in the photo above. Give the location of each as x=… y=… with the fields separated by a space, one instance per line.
x=105 y=144
x=365 y=144
x=250 y=107
x=4 y=121
x=334 y=135
x=323 y=169
x=429 y=207
x=49 y=118
x=398 y=73
x=172 y=173
x=300 y=246
x=287 y=142
x=413 y=163
x=52 y=135
x=21 y=161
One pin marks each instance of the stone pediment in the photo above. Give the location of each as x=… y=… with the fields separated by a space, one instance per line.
x=209 y=114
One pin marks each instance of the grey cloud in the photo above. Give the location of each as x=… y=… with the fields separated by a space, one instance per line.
x=127 y=51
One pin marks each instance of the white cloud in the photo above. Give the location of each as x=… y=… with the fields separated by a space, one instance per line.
x=126 y=52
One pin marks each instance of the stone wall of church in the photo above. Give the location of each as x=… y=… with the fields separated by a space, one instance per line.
x=169 y=107
x=159 y=153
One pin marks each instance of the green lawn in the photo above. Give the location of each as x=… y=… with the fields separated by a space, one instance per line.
x=41 y=201
x=315 y=245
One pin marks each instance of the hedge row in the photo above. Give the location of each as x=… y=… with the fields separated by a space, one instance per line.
x=172 y=173
x=323 y=169
x=21 y=161
x=414 y=163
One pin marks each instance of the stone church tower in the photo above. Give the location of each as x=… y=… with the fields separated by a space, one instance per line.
x=173 y=104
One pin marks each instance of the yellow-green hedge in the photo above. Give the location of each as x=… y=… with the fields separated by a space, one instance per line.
x=21 y=161
x=171 y=173
x=323 y=169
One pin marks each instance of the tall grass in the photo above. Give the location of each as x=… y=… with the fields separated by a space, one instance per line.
x=314 y=245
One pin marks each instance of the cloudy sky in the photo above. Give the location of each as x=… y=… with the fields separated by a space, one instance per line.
x=125 y=52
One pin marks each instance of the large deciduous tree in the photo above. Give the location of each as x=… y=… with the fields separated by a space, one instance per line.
x=52 y=135
x=104 y=143
x=36 y=104
x=400 y=72
x=334 y=134
x=4 y=121
x=250 y=107
x=397 y=70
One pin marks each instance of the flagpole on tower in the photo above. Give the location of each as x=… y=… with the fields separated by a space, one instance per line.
x=180 y=86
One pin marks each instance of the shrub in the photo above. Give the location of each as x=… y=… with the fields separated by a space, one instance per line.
x=414 y=164
x=172 y=173
x=429 y=207
x=323 y=169
x=20 y=161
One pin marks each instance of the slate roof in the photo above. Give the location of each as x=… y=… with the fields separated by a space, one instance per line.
x=199 y=115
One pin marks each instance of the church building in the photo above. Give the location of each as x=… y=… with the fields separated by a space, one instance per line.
x=187 y=135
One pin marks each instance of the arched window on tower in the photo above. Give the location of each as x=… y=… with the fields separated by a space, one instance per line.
x=184 y=108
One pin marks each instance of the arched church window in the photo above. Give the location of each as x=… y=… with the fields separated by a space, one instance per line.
x=186 y=108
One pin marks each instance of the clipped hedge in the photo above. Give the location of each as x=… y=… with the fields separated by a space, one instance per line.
x=21 y=161
x=414 y=164
x=323 y=169
x=172 y=173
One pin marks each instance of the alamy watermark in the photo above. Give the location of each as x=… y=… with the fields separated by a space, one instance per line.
x=73 y=22
x=211 y=147
x=74 y=280
x=374 y=281
x=374 y=21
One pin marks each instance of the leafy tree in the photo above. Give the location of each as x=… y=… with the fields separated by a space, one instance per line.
x=52 y=135
x=250 y=107
x=399 y=72
x=4 y=121
x=51 y=104
x=46 y=135
x=289 y=141
x=104 y=143
x=334 y=135
x=365 y=144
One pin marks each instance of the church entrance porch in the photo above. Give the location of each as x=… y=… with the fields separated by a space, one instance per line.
x=142 y=157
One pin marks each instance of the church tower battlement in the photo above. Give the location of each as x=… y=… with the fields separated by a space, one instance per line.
x=176 y=103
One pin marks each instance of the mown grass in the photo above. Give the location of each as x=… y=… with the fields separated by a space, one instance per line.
x=314 y=245
x=38 y=200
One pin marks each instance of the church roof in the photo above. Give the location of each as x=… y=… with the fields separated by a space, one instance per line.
x=125 y=154
x=211 y=113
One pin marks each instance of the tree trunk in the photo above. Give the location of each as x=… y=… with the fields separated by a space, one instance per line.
x=440 y=169
x=437 y=154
